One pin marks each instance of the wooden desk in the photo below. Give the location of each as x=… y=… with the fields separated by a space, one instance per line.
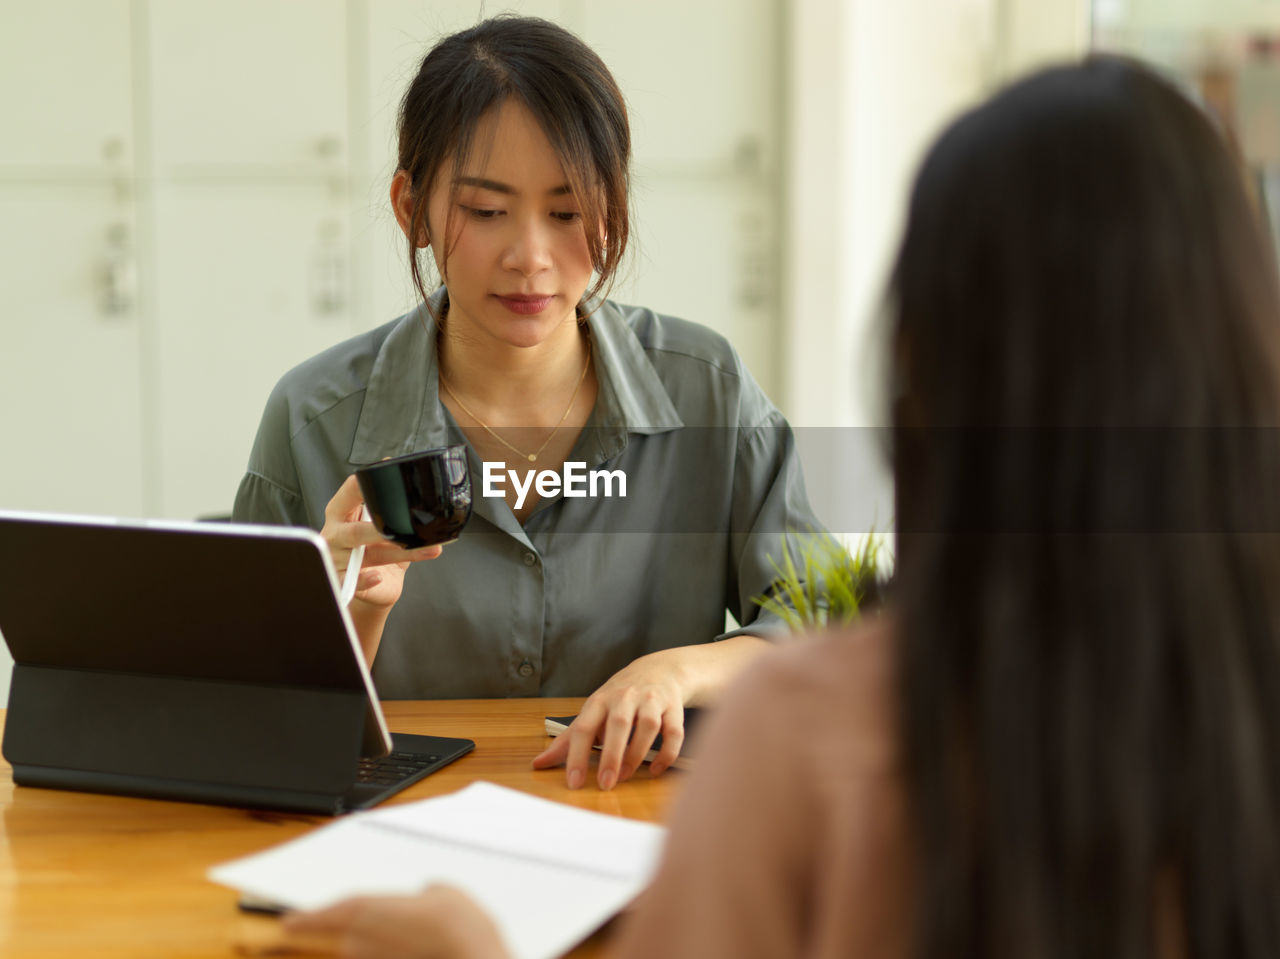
x=117 y=878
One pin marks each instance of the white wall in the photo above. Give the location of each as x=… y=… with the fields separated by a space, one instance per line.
x=871 y=85
x=1185 y=15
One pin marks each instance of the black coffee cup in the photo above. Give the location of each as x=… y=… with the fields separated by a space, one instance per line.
x=419 y=499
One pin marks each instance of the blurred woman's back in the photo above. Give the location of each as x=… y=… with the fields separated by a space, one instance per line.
x=1062 y=741
x=1087 y=348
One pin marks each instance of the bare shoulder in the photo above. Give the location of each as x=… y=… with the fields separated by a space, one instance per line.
x=860 y=656
x=848 y=665
x=839 y=687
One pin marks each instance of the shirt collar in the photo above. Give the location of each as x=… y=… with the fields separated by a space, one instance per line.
x=632 y=397
x=402 y=411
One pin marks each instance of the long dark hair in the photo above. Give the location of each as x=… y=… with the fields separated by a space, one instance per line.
x=1086 y=330
x=571 y=95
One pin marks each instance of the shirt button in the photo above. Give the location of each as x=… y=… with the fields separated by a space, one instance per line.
x=526 y=669
x=530 y=559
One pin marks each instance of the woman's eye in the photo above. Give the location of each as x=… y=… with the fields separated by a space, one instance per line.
x=480 y=213
x=567 y=217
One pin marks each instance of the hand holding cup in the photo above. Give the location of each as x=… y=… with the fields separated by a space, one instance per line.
x=420 y=499
x=411 y=505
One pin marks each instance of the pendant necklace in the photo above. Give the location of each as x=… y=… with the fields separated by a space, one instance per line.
x=531 y=457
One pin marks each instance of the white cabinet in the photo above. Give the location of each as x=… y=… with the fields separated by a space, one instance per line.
x=70 y=374
x=702 y=79
x=65 y=69
x=247 y=84
x=703 y=85
x=70 y=371
x=705 y=250
x=250 y=279
x=250 y=112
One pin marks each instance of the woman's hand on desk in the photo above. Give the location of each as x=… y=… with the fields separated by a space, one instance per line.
x=641 y=700
x=382 y=572
x=638 y=702
x=439 y=923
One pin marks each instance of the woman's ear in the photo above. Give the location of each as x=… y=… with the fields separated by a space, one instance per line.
x=402 y=202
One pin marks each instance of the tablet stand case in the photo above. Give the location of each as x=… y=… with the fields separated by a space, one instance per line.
x=176 y=738
x=208 y=664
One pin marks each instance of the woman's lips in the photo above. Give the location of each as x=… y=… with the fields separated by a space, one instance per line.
x=525 y=305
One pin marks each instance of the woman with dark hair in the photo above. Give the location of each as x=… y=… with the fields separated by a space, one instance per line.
x=1088 y=470
x=1064 y=739
x=512 y=179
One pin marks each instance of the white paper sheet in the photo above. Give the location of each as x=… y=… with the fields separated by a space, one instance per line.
x=548 y=873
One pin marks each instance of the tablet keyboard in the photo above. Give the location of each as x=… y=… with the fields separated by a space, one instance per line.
x=396 y=767
x=411 y=758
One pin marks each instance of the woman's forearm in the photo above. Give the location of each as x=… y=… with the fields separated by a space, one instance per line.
x=705 y=669
x=369 y=620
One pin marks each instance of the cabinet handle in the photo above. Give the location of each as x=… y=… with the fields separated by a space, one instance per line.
x=755 y=262
x=329 y=271
x=119 y=273
x=328 y=147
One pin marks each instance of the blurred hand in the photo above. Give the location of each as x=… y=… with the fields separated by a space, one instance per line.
x=438 y=923
x=625 y=715
x=382 y=572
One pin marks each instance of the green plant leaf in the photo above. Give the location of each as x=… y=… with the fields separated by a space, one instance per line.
x=830 y=585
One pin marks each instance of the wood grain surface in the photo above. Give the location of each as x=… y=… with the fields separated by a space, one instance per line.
x=119 y=878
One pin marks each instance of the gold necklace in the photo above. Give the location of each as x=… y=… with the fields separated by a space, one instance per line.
x=531 y=457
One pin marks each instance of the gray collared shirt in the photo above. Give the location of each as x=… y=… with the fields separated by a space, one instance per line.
x=588 y=584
